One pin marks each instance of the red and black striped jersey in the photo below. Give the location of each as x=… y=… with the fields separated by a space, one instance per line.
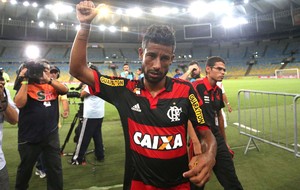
x=213 y=101
x=155 y=128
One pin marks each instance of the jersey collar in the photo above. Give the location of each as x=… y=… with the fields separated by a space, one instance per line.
x=168 y=85
x=208 y=86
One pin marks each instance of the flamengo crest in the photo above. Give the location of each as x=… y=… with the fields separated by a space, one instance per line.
x=174 y=113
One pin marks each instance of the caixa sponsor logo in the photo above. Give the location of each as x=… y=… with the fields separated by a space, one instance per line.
x=158 y=142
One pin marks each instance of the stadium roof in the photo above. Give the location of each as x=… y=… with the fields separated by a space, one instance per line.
x=126 y=20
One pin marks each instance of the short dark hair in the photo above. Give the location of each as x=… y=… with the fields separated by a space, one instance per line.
x=160 y=34
x=211 y=61
x=194 y=63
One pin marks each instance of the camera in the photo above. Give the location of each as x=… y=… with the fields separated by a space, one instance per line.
x=35 y=69
x=73 y=94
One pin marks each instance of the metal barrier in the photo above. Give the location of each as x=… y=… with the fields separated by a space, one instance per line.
x=270 y=117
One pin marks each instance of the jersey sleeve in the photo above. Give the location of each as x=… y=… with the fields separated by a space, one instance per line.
x=108 y=88
x=197 y=116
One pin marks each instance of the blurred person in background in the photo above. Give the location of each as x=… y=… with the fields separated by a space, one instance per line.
x=41 y=169
x=139 y=74
x=9 y=113
x=226 y=102
x=37 y=99
x=5 y=76
x=126 y=73
x=193 y=73
x=91 y=127
x=178 y=73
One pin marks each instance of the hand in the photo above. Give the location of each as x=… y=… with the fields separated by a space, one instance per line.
x=23 y=72
x=65 y=114
x=86 y=11
x=193 y=67
x=229 y=108
x=46 y=77
x=200 y=169
x=230 y=151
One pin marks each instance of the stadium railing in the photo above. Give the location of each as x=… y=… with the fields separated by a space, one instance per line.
x=269 y=117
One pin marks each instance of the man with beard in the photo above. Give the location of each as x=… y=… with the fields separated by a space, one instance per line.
x=193 y=73
x=154 y=111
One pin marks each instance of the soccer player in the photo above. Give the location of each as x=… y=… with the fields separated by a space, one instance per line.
x=154 y=112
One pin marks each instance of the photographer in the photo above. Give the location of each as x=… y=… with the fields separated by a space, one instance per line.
x=37 y=99
x=9 y=113
x=93 y=114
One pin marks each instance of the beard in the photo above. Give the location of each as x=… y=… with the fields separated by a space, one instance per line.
x=155 y=77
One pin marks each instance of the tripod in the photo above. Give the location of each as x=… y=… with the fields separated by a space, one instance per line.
x=78 y=115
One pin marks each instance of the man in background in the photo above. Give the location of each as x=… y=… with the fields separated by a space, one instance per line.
x=91 y=127
x=37 y=98
x=9 y=113
x=126 y=73
x=193 y=72
x=5 y=76
x=212 y=96
x=178 y=73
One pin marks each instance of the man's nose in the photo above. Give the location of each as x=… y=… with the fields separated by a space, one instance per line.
x=157 y=63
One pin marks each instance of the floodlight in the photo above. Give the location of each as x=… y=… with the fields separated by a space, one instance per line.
x=26 y=3
x=13 y=2
x=112 y=29
x=41 y=24
x=34 y=4
x=32 y=52
x=102 y=27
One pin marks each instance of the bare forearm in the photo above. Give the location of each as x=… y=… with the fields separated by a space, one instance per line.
x=185 y=75
x=59 y=87
x=208 y=143
x=221 y=127
x=21 y=96
x=11 y=115
x=78 y=57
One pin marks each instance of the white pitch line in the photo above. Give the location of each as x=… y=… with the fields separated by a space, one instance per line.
x=248 y=128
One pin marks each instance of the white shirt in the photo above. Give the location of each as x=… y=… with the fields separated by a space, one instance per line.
x=93 y=106
x=220 y=84
x=2 y=159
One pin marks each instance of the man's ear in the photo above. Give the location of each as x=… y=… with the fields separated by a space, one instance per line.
x=141 y=53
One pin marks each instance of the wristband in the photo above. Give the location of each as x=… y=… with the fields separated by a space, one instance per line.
x=24 y=82
x=50 y=81
x=85 y=26
x=227 y=103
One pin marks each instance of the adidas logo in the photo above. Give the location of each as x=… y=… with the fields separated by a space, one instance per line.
x=136 y=107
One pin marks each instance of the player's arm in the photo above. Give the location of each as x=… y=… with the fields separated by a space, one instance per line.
x=190 y=69
x=10 y=112
x=226 y=102
x=21 y=95
x=65 y=106
x=86 y=12
x=221 y=124
x=201 y=164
